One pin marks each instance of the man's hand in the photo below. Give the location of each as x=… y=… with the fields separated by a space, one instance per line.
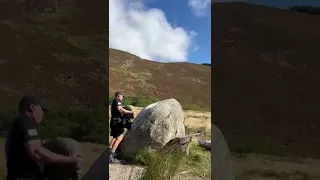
x=39 y=153
x=72 y=159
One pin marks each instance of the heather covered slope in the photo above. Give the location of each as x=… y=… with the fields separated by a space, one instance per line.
x=189 y=83
x=57 y=51
x=265 y=71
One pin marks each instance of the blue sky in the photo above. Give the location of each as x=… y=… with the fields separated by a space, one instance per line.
x=162 y=30
x=178 y=12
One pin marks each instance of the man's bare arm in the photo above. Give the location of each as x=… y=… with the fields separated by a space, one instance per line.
x=121 y=109
x=39 y=153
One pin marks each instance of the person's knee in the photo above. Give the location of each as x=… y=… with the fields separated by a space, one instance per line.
x=119 y=138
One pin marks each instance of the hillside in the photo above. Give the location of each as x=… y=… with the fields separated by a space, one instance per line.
x=265 y=72
x=55 y=49
x=188 y=83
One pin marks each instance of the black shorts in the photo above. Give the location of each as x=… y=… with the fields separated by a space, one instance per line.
x=116 y=127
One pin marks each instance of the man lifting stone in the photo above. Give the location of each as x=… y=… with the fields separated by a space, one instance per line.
x=117 y=125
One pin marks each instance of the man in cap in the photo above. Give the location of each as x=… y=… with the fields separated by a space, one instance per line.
x=116 y=125
x=24 y=151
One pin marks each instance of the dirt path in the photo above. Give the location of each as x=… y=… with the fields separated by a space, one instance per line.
x=130 y=172
x=124 y=172
x=260 y=167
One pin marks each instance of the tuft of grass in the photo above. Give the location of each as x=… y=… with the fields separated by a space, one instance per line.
x=198 y=163
x=167 y=166
x=160 y=165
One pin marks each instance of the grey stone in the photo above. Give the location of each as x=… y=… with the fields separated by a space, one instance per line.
x=154 y=126
x=66 y=147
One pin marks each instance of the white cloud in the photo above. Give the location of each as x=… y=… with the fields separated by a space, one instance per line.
x=200 y=7
x=145 y=32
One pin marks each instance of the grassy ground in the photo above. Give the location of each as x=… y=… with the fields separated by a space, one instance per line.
x=198 y=163
x=246 y=166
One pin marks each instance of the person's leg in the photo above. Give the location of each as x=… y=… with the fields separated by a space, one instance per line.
x=112 y=156
x=112 y=142
x=112 y=151
x=117 y=135
x=118 y=130
x=113 y=132
x=116 y=143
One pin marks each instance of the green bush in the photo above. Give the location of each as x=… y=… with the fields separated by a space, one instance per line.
x=191 y=107
x=139 y=101
x=143 y=101
x=206 y=64
x=84 y=126
x=306 y=9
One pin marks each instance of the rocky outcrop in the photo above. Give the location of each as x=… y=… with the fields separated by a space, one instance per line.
x=154 y=126
x=66 y=147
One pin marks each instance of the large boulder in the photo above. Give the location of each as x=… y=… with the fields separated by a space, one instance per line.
x=66 y=147
x=221 y=157
x=155 y=125
x=178 y=145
